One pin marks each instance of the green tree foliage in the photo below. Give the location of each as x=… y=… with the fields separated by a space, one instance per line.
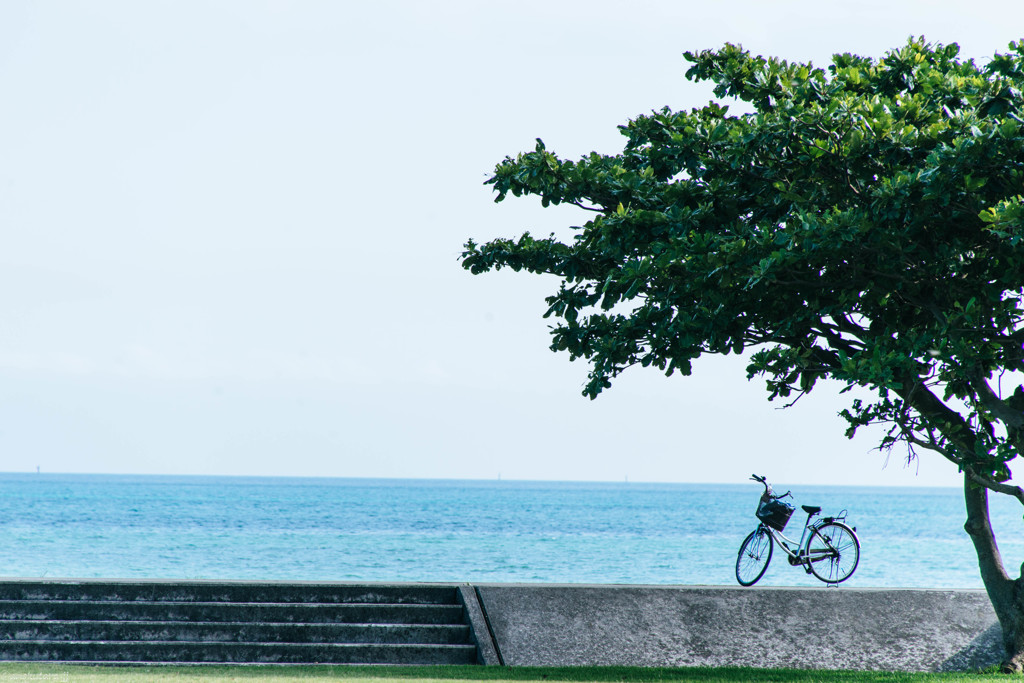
x=861 y=223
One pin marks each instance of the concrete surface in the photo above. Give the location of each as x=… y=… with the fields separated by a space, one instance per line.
x=487 y=650
x=501 y=624
x=827 y=628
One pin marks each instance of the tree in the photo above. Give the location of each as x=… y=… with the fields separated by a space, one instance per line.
x=860 y=223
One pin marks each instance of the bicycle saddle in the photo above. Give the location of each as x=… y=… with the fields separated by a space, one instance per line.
x=811 y=509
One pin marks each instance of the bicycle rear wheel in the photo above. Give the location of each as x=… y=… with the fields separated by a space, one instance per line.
x=833 y=552
x=754 y=556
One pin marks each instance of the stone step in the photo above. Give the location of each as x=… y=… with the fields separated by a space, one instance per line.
x=265 y=653
x=236 y=622
x=208 y=632
x=201 y=591
x=165 y=610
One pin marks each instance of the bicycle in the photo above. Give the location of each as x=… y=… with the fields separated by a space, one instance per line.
x=828 y=548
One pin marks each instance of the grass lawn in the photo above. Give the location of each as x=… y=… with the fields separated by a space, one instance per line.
x=446 y=674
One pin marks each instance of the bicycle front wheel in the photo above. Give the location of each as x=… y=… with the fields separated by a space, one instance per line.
x=754 y=556
x=833 y=552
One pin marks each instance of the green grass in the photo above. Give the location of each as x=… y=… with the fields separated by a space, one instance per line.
x=369 y=674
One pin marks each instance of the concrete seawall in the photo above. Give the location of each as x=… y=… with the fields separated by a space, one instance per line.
x=826 y=628
x=499 y=624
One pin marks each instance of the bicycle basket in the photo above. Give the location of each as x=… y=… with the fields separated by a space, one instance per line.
x=774 y=513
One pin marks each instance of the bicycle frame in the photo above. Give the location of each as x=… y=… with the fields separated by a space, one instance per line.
x=798 y=555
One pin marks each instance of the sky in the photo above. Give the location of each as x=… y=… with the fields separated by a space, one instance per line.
x=231 y=235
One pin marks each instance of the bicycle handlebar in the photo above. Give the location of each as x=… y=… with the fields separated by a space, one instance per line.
x=764 y=481
x=768 y=487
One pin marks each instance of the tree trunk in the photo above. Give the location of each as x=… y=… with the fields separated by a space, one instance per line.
x=1006 y=594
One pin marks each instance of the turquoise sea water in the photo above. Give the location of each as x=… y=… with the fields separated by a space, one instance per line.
x=480 y=531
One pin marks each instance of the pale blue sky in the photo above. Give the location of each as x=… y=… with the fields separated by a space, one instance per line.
x=230 y=237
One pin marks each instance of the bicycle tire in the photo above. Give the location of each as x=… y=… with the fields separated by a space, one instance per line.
x=754 y=556
x=833 y=552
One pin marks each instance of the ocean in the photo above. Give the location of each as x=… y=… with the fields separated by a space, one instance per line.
x=292 y=529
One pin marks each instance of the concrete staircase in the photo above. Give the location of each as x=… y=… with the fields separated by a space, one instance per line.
x=235 y=622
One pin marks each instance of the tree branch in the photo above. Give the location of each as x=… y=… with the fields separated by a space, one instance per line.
x=992 y=485
x=588 y=208
x=931 y=444
x=998 y=407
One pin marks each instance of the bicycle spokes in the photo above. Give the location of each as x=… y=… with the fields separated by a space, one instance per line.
x=833 y=552
x=754 y=556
